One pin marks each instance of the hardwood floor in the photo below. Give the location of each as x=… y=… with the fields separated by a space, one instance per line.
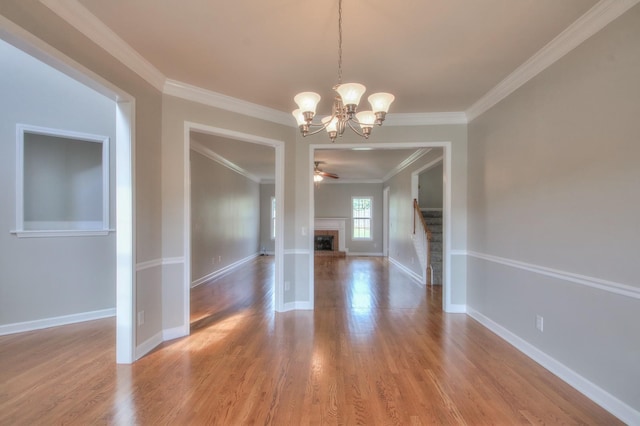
x=377 y=350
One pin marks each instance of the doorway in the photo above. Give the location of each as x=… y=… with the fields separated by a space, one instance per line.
x=446 y=160
x=250 y=140
x=122 y=201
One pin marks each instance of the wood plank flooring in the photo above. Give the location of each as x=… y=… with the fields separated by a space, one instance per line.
x=377 y=350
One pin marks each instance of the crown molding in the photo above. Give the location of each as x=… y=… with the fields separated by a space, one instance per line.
x=425 y=118
x=94 y=29
x=201 y=149
x=406 y=163
x=596 y=18
x=218 y=100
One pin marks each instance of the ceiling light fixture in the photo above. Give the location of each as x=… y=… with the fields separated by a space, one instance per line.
x=345 y=105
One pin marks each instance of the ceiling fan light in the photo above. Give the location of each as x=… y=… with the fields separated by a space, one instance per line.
x=317 y=178
x=380 y=102
x=307 y=102
x=351 y=93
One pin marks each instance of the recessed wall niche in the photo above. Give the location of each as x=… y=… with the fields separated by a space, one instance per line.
x=62 y=182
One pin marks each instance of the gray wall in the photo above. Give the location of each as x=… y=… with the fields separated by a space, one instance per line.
x=334 y=200
x=267 y=190
x=430 y=188
x=49 y=277
x=554 y=182
x=44 y=24
x=225 y=216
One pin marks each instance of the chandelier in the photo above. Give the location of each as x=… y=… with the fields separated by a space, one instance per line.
x=345 y=105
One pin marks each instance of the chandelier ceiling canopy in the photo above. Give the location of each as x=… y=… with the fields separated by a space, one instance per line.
x=345 y=105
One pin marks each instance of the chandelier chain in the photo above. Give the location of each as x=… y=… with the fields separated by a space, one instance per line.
x=339 y=41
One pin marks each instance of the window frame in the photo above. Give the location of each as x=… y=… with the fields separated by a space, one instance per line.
x=354 y=218
x=103 y=229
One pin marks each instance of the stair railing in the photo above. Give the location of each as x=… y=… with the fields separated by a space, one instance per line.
x=422 y=235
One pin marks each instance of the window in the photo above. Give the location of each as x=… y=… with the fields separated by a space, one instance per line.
x=273 y=218
x=361 y=209
x=62 y=183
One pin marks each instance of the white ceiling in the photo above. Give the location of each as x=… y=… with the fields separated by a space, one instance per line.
x=433 y=55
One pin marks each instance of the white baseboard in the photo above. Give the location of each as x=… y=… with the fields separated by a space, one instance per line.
x=297 y=306
x=175 y=333
x=452 y=308
x=148 y=345
x=353 y=253
x=223 y=271
x=598 y=395
x=417 y=278
x=21 y=327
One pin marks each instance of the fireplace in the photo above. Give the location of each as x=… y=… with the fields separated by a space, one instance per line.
x=324 y=243
x=327 y=243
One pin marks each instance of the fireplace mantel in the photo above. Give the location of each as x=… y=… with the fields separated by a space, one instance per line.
x=333 y=224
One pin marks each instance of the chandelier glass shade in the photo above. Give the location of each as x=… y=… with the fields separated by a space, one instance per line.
x=344 y=112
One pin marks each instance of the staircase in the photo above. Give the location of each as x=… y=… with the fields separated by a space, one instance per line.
x=433 y=219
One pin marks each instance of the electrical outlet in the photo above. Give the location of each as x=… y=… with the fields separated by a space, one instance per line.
x=140 y=318
x=540 y=323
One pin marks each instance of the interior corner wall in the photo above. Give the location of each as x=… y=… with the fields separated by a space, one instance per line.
x=44 y=278
x=225 y=217
x=430 y=188
x=554 y=202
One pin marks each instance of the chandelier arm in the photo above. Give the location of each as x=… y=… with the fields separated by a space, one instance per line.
x=322 y=127
x=349 y=122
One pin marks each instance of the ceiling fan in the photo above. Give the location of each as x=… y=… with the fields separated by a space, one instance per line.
x=318 y=174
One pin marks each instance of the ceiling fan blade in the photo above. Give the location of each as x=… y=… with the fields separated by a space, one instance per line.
x=329 y=175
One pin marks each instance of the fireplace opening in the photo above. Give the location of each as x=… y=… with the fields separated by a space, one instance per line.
x=324 y=242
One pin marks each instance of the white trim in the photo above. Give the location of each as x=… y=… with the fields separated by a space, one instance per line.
x=426 y=118
x=61 y=233
x=297 y=306
x=365 y=254
x=227 y=103
x=458 y=252
x=223 y=271
x=453 y=308
x=75 y=226
x=297 y=251
x=148 y=345
x=174 y=333
x=598 y=395
x=95 y=30
x=154 y=263
x=609 y=286
x=21 y=327
x=416 y=277
x=148 y=264
x=596 y=18
x=201 y=149
x=406 y=163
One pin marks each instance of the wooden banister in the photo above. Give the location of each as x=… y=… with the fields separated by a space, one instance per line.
x=416 y=211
